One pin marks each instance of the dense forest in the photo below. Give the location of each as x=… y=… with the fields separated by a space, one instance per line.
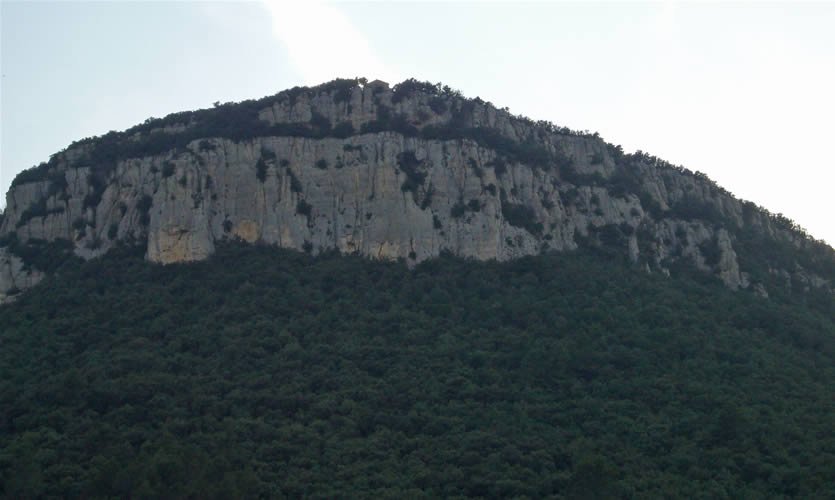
x=271 y=373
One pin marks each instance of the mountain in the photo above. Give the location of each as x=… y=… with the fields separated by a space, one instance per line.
x=407 y=172
x=190 y=312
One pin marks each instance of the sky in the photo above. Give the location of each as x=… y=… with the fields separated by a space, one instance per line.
x=739 y=91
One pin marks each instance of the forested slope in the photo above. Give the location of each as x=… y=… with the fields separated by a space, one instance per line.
x=270 y=373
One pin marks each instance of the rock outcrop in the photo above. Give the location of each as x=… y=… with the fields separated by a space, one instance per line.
x=403 y=173
x=15 y=276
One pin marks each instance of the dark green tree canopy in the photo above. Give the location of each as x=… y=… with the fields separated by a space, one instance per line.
x=269 y=373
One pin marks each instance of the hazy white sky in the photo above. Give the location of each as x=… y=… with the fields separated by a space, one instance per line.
x=742 y=92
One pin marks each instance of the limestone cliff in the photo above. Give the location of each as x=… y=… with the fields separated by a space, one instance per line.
x=407 y=172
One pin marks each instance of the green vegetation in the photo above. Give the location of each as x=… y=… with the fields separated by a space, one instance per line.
x=344 y=130
x=261 y=168
x=570 y=174
x=535 y=147
x=761 y=252
x=304 y=208
x=57 y=186
x=427 y=197
x=412 y=86
x=233 y=121
x=295 y=183
x=387 y=121
x=168 y=169
x=624 y=181
x=320 y=123
x=711 y=252
x=436 y=222
x=240 y=121
x=206 y=145
x=409 y=165
x=438 y=105
x=529 y=152
x=143 y=206
x=458 y=210
x=520 y=215
x=37 y=209
x=267 y=154
x=40 y=254
x=690 y=209
x=269 y=373
x=341 y=88
x=499 y=166
x=57 y=183
x=611 y=236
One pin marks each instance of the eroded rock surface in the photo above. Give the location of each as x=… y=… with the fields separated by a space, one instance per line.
x=15 y=276
x=384 y=194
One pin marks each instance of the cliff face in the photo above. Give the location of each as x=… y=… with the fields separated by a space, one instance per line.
x=388 y=174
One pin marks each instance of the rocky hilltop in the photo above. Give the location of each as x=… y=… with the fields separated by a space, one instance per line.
x=404 y=172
